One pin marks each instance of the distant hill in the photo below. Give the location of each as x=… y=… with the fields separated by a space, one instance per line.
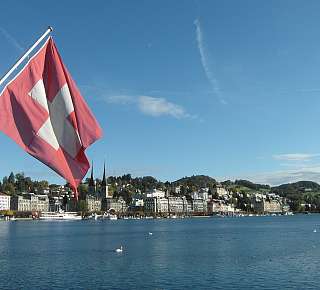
x=245 y=185
x=251 y=185
x=297 y=187
x=196 y=180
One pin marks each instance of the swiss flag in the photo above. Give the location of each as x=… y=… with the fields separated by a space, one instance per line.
x=43 y=111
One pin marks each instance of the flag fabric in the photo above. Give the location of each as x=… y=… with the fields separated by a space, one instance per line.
x=42 y=110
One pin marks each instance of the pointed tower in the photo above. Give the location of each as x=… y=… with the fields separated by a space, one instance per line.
x=92 y=183
x=104 y=184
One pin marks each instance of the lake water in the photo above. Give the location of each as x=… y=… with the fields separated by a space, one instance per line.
x=198 y=253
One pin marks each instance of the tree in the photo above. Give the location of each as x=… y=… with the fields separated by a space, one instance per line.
x=4 y=180
x=9 y=188
x=20 y=182
x=125 y=194
x=83 y=189
x=39 y=186
x=11 y=178
x=82 y=207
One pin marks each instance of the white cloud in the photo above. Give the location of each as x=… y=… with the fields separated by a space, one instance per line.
x=204 y=62
x=295 y=156
x=151 y=106
x=11 y=39
x=159 y=106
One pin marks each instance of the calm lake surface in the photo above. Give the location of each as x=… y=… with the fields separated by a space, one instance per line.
x=198 y=253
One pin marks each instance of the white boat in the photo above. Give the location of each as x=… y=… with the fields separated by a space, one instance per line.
x=113 y=217
x=60 y=216
x=109 y=216
x=95 y=216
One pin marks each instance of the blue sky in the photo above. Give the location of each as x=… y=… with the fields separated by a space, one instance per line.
x=228 y=89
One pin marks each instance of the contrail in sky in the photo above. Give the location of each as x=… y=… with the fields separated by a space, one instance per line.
x=204 y=61
x=11 y=39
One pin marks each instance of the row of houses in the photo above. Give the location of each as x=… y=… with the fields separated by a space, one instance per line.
x=31 y=202
x=152 y=202
x=24 y=202
x=173 y=204
x=95 y=203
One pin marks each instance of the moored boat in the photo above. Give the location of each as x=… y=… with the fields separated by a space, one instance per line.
x=60 y=216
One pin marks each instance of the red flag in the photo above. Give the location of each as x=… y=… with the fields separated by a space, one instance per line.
x=43 y=111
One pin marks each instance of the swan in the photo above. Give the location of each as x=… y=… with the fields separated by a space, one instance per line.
x=150 y=234
x=314 y=230
x=119 y=250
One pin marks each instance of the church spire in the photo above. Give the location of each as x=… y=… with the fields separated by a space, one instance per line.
x=91 y=181
x=104 y=181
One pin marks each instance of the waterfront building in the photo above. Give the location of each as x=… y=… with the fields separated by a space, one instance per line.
x=41 y=203
x=20 y=203
x=199 y=205
x=270 y=203
x=176 y=204
x=162 y=205
x=219 y=207
x=150 y=204
x=30 y=202
x=114 y=204
x=4 y=201
x=153 y=205
x=188 y=207
x=55 y=203
x=93 y=203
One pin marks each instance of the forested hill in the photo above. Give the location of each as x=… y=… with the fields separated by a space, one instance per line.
x=251 y=185
x=297 y=187
x=196 y=180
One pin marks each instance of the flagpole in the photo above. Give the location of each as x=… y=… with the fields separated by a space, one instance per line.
x=23 y=57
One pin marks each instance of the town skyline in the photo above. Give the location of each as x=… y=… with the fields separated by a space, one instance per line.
x=147 y=196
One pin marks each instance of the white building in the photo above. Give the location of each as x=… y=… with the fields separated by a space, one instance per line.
x=114 y=204
x=30 y=202
x=93 y=203
x=220 y=191
x=156 y=205
x=199 y=205
x=156 y=193
x=138 y=202
x=203 y=193
x=177 y=204
x=188 y=208
x=177 y=189
x=219 y=206
x=4 y=201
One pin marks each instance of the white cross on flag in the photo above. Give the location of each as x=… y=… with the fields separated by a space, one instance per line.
x=43 y=111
